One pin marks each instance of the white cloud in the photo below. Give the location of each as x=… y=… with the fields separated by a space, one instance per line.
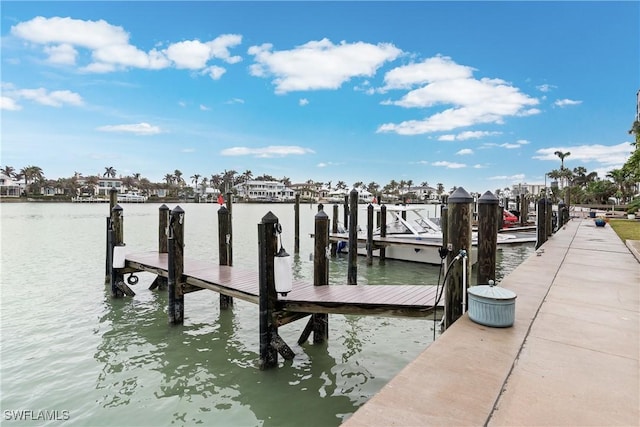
x=137 y=128
x=303 y=101
x=271 y=151
x=463 y=136
x=566 y=102
x=443 y=82
x=204 y=108
x=612 y=156
x=9 y=104
x=546 y=88
x=326 y=164
x=56 y=98
x=438 y=68
x=511 y=145
x=110 y=48
x=464 y=152
x=235 y=101
x=512 y=178
x=449 y=165
x=319 y=64
x=61 y=54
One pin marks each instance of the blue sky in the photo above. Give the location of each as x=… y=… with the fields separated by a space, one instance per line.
x=471 y=94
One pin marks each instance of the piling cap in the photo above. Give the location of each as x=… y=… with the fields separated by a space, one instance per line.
x=177 y=210
x=488 y=199
x=321 y=215
x=163 y=208
x=117 y=208
x=460 y=196
x=269 y=218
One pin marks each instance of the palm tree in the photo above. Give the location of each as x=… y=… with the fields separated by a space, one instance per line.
x=168 y=178
x=178 y=177
x=562 y=156
x=341 y=185
x=195 y=178
x=247 y=175
x=109 y=171
x=286 y=181
x=439 y=189
x=8 y=171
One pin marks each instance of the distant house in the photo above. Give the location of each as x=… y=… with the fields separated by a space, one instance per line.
x=426 y=193
x=9 y=187
x=264 y=191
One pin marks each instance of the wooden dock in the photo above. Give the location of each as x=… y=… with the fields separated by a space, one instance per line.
x=380 y=300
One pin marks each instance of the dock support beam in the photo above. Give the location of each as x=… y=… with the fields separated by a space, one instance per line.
x=224 y=248
x=334 y=229
x=459 y=224
x=383 y=232
x=175 y=245
x=352 y=268
x=541 y=222
x=321 y=274
x=116 y=239
x=163 y=222
x=370 y=234
x=296 y=225
x=487 y=237
x=270 y=342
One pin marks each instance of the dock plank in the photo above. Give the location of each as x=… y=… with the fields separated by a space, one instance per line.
x=392 y=300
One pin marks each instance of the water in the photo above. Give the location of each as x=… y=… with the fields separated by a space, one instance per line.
x=71 y=350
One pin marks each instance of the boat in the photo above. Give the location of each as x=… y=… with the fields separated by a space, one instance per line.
x=131 y=197
x=412 y=236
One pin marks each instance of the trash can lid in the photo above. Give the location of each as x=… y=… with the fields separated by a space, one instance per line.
x=491 y=292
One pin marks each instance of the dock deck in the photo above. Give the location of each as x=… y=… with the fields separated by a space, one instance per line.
x=386 y=300
x=571 y=357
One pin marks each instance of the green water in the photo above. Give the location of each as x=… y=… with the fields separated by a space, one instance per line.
x=69 y=351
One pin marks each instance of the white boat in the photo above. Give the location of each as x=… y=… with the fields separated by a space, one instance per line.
x=131 y=197
x=411 y=236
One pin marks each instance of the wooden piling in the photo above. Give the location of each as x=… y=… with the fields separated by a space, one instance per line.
x=560 y=215
x=345 y=212
x=113 y=198
x=549 y=218
x=370 y=234
x=175 y=267
x=163 y=223
x=320 y=273
x=383 y=232
x=230 y=228
x=524 y=210
x=487 y=238
x=224 y=222
x=334 y=229
x=270 y=342
x=541 y=222
x=352 y=267
x=459 y=226
x=296 y=225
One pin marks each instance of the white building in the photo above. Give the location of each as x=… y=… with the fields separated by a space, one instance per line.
x=9 y=187
x=264 y=191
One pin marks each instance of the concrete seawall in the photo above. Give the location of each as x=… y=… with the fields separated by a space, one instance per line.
x=571 y=357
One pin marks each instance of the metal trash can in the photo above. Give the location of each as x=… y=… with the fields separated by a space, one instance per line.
x=491 y=305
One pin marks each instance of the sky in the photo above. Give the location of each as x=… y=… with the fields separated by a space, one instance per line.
x=469 y=94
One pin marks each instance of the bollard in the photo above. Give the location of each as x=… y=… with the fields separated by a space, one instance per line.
x=224 y=237
x=459 y=235
x=352 y=268
x=346 y=212
x=487 y=238
x=175 y=267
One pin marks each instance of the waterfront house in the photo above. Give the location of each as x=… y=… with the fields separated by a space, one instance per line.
x=9 y=187
x=264 y=191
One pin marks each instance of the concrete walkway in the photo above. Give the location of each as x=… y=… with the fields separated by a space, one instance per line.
x=570 y=359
